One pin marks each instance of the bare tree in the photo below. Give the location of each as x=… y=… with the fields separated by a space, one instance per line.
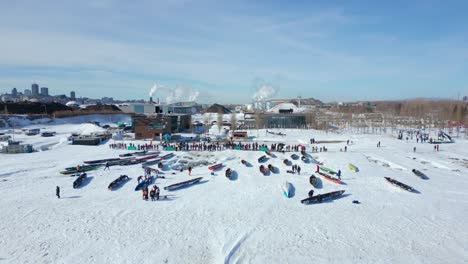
x=233 y=121
x=220 y=120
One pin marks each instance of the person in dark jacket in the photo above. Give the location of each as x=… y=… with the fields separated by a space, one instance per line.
x=298 y=169
x=157 y=193
x=57 y=192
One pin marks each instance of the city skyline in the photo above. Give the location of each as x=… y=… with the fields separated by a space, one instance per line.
x=341 y=51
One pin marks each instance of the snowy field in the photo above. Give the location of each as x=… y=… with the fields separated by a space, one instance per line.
x=244 y=220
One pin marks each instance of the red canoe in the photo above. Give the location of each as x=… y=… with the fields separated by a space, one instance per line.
x=215 y=167
x=330 y=178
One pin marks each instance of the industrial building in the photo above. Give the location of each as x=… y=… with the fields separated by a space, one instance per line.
x=155 y=126
x=140 y=108
x=183 y=108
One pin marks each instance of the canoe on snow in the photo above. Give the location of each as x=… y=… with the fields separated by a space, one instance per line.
x=262 y=158
x=151 y=162
x=216 y=166
x=168 y=156
x=330 y=178
x=271 y=168
x=228 y=173
x=117 y=182
x=263 y=170
x=419 y=174
x=132 y=154
x=294 y=156
x=146 y=158
x=322 y=197
x=100 y=161
x=246 y=163
x=77 y=183
x=144 y=183
x=353 y=168
x=400 y=185
x=182 y=184
x=269 y=153
x=327 y=170
x=313 y=180
x=73 y=170
x=287 y=189
x=286 y=162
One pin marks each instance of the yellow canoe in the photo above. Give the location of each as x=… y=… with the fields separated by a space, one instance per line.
x=353 y=168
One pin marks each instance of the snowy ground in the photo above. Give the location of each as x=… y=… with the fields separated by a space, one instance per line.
x=246 y=220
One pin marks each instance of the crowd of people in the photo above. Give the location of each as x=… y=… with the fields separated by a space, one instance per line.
x=214 y=146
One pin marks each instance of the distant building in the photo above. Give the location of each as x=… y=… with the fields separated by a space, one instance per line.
x=140 y=108
x=35 y=89
x=159 y=125
x=465 y=98
x=44 y=91
x=72 y=95
x=107 y=100
x=27 y=92
x=14 y=92
x=183 y=108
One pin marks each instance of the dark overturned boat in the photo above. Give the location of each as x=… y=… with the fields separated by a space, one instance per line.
x=322 y=197
x=117 y=182
x=419 y=174
x=262 y=159
x=263 y=170
x=228 y=173
x=400 y=185
x=313 y=180
x=79 y=181
x=183 y=184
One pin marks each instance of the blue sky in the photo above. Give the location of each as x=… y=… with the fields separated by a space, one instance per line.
x=329 y=50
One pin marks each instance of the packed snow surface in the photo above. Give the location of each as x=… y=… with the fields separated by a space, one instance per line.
x=243 y=220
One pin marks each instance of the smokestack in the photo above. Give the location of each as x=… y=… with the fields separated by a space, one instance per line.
x=151 y=99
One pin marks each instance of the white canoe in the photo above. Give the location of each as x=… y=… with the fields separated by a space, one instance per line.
x=287 y=189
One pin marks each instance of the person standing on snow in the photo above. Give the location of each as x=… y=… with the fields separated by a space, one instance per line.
x=190 y=170
x=318 y=168
x=339 y=174
x=107 y=166
x=157 y=193
x=57 y=192
x=298 y=169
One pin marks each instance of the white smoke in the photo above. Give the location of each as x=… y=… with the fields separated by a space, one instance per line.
x=181 y=94
x=264 y=92
x=194 y=96
x=154 y=89
x=175 y=95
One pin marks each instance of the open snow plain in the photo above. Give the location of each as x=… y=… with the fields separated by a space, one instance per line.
x=244 y=220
